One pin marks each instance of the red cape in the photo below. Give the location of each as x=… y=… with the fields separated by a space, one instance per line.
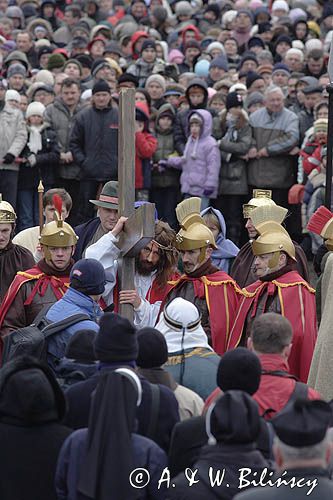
x=297 y=300
x=59 y=287
x=222 y=297
x=154 y=294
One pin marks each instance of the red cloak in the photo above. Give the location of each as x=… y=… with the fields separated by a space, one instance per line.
x=222 y=297
x=297 y=300
x=59 y=286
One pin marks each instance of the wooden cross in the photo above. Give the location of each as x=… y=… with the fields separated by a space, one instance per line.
x=140 y=226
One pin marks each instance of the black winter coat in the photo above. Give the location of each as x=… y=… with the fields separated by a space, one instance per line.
x=94 y=143
x=79 y=398
x=47 y=162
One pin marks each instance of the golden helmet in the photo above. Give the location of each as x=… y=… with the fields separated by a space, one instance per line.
x=272 y=236
x=58 y=233
x=7 y=212
x=321 y=222
x=194 y=233
x=261 y=197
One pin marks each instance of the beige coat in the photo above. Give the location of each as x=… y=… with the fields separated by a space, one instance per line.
x=321 y=370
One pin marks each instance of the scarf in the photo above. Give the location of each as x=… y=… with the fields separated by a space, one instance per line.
x=35 y=138
x=205 y=269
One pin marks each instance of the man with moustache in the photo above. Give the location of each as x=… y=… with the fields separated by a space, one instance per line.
x=214 y=293
x=154 y=267
x=46 y=282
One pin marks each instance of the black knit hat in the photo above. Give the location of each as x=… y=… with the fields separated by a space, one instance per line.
x=252 y=76
x=101 y=86
x=116 y=340
x=81 y=346
x=153 y=349
x=148 y=44
x=239 y=369
x=234 y=100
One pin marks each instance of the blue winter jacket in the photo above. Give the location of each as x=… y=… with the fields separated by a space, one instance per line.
x=73 y=302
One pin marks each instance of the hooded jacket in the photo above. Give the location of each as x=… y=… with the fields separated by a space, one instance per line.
x=201 y=161
x=13 y=133
x=181 y=122
x=227 y=250
x=30 y=430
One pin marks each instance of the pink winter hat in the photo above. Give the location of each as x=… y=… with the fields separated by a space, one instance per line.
x=175 y=56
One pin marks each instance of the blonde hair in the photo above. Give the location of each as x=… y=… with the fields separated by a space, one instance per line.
x=211 y=218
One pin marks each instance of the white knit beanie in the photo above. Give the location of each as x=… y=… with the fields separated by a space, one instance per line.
x=280 y=5
x=12 y=95
x=215 y=45
x=35 y=108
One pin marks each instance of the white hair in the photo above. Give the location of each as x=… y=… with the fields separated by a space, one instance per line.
x=314 y=452
x=295 y=52
x=272 y=89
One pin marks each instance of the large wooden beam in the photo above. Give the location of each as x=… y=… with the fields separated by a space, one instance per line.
x=126 y=178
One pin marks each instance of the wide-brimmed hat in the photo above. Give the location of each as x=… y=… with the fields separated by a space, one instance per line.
x=108 y=197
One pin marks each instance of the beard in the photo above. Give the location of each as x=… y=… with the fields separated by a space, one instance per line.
x=145 y=268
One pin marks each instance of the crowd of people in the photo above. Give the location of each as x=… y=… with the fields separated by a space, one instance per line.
x=223 y=380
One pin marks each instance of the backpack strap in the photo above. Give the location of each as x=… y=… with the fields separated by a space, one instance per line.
x=278 y=373
x=155 y=405
x=300 y=392
x=58 y=326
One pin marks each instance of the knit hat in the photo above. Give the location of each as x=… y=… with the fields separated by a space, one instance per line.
x=215 y=45
x=56 y=61
x=280 y=5
x=113 y=47
x=45 y=76
x=321 y=125
x=234 y=100
x=87 y=276
x=101 y=86
x=116 y=340
x=153 y=349
x=85 y=60
x=174 y=89
x=97 y=65
x=255 y=41
x=283 y=38
x=35 y=108
x=252 y=77
x=195 y=117
x=254 y=98
x=281 y=67
x=16 y=69
x=183 y=8
x=156 y=79
x=236 y=87
x=192 y=44
x=96 y=39
x=248 y=57
x=233 y=419
x=201 y=69
x=175 y=56
x=213 y=7
x=264 y=27
x=81 y=346
x=219 y=62
x=44 y=50
x=148 y=44
x=73 y=61
x=239 y=369
x=12 y=95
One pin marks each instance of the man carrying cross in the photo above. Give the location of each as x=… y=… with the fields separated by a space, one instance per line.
x=142 y=284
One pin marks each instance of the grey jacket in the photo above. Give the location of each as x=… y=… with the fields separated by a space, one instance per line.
x=61 y=120
x=13 y=135
x=278 y=133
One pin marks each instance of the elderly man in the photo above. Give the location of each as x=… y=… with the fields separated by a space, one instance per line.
x=275 y=136
x=279 y=289
x=302 y=451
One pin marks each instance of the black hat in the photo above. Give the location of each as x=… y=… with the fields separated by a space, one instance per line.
x=249 y=56
x=79 y=42
x=213 y=7
x=101 y=86
x=252 y=76
x=116 y=340
x=128 y=77
x=283 y=38
x=303 y=423
x=235 y=418
x=85 y=60
x=239 y=369
x=255 y=41
x=44 y=50
x=88 y=277
x=234 y=100
x=148 y=44
x=264 y=27
x=153 y=349
x=81 y=346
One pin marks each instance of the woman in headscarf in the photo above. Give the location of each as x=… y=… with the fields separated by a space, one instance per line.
x=96 y=463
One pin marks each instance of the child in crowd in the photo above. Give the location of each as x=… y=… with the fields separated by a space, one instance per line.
x=145 y=147
x=165 y=185
x=223 y=256
x=201 y=161
x=39 y=160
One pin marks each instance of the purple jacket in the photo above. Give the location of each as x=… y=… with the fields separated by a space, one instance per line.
x=201 y=161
